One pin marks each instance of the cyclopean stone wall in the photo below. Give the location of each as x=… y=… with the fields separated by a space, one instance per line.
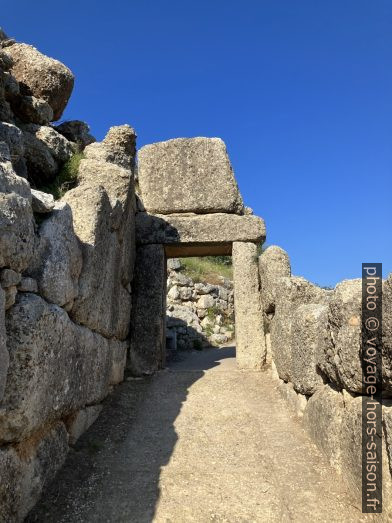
x=313 y=340
x=66 y=269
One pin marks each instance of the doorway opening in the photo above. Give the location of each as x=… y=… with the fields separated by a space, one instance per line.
x=199 y=304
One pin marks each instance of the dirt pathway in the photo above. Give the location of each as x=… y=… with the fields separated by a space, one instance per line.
x=198 y=442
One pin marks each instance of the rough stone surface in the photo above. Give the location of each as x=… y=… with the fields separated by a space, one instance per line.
x=28 y=284
x=274 y=263
x=82 y=420
x=343 y=361
x=118 y=351
x=290 y=294
x=59 y=262
x=148 y=310
x=41 y=76
x=105 y=229
x=32 y=110
x=27 y=469
x=76 y=131
x=13 y=137
x=204 y=229
x=45 y=151
x=56 y=367
x=188 y=175
x=387 y=334
x=42 y=202
x=9 y=278
x=118 y=147
x=16 y=231
x=250 y=341
x=4 y=359
x=323 y=419
x=309 y=332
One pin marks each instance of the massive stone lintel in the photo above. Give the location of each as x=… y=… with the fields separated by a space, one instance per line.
x=198 y=235
x=188 y=175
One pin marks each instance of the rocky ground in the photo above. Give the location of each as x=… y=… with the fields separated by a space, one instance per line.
x=200 y=441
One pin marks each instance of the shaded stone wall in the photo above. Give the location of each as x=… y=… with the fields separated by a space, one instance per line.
x=66 y=269
x=313 y=338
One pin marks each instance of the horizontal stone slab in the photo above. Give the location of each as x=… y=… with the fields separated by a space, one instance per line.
x=196 y=234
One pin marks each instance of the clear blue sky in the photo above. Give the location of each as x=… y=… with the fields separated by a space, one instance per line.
x=300 y=91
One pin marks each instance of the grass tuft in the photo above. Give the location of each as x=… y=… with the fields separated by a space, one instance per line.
x=66 y=179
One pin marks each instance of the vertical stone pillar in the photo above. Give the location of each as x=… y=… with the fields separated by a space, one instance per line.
x=250 y=341
x=148 y=316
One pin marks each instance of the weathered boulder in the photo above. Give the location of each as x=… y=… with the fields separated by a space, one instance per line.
x=77 y=132
x=274 y=263
x=118 y=147
x=180 y=315
x=309 y=338
x=56 y=367
x=118 y=350
x=42 y=202
x=81 y=421
x=41 y=76
x=343 y=359
x=27 y=469
x=45 y=151
x=9 y=278
x=218 y=230
x=16 y=231
x=31 y=109
x=188 y=175
x=322 y=419
x=59 y=260
x=13 y=137
x=290 y=293
x=148 y=310
x=28 y=284
x=250 y=342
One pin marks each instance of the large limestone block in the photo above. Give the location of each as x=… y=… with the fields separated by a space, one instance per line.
x=351 y=454
x=309 y=342
x=56 y=367
x=106 y=233
x=59 y=262
x=250 y=341
x=41 y=76
x=148 y=310
x=274 y=263
x=118 y=147
x=16 y=231
x=27 y=469
x=290 y=293
x=16 y=217
x=343 y=361
x=323 y=419
x=81 y=421
x=210 y=229
x=4 y=359
x=188 y=175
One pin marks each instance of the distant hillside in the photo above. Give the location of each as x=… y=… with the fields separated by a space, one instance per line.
x=208 y=269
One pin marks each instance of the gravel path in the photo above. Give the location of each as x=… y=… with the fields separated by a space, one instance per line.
x=198 y=442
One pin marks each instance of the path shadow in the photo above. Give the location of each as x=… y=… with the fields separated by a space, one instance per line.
x=112 y=473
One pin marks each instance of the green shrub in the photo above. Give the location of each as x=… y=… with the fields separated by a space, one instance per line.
x=66 y=179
